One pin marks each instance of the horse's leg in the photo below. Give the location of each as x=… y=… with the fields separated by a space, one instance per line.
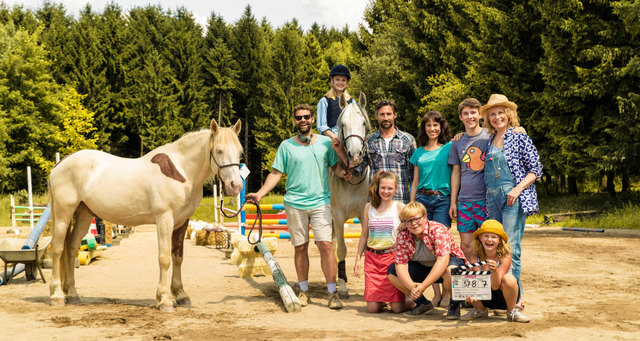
x=164 y=297
x=62 y=215
x=177 y=245
x=80 y=229
x=341 y=253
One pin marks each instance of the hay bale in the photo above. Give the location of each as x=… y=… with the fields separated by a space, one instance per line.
x=189 y=232
x=205 y=238
x=108 y=231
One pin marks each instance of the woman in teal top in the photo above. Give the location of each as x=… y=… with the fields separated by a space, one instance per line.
x=431 y=184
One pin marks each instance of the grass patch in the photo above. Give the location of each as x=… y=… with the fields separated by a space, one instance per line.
x=621 y=211
x=5 y=207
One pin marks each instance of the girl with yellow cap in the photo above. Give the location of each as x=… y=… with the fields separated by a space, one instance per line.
x=491 y=244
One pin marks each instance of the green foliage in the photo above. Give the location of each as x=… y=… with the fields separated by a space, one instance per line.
x=77 y=131
x=149 y=75
x=29 y=102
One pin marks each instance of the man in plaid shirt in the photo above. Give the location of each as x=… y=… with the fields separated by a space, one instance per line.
x=389 y=149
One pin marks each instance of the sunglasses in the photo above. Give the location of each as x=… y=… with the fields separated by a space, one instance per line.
x=299 y=118
x=412 y=220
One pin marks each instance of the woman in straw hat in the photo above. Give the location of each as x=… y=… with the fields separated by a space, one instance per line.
x=490 y=243
x=512 y=165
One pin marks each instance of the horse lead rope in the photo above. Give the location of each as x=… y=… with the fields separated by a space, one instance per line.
x=224 y=213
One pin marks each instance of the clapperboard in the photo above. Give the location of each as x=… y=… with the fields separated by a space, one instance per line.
x=476 y=284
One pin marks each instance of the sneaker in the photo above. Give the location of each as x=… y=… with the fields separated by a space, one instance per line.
x=474 y=314
x=334 y=301
x=304 y=298
x=420 y=309
x=454 y=311
x=516 y=316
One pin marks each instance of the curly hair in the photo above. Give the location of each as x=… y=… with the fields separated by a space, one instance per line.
x=445 y=132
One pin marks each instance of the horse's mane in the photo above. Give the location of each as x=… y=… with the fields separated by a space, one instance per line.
x=225 y=136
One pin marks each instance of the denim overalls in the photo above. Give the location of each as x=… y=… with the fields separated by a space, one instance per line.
x=499 y=182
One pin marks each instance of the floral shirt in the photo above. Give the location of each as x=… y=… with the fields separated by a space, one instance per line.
x=437 y=238
x=522 y=158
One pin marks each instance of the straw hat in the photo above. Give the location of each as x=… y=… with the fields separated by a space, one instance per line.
x=498 y=100
x=491 y=226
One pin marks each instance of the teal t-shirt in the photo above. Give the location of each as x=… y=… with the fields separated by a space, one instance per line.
x=307 y=170
x=435 y=171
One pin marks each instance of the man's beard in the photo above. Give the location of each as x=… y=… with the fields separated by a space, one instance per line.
x=386 y=124
x=305 y=131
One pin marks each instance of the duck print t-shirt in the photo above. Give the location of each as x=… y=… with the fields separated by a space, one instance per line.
x=469 y=152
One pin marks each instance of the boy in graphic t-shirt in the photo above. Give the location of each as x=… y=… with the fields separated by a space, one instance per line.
x=467 y=158
x=468 y=190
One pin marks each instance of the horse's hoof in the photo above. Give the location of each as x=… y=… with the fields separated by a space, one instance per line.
x=184 y=302
x=167 y=308
x=72 y=299
x=57 y=301
x=343 y=291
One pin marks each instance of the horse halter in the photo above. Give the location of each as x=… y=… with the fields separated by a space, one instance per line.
x=363 y=150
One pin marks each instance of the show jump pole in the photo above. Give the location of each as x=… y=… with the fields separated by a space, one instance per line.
x=289 y=298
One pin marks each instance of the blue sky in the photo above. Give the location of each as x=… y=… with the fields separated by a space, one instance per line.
x=334 y=13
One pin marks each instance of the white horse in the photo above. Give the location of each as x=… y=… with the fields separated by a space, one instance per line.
x=163 y=187
x=348 y=198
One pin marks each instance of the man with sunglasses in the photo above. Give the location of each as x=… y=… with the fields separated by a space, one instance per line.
x=306 y=159
x=425 y=254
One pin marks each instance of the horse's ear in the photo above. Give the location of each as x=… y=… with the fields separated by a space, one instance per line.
x=237 y=126
x=362 y=101
x=214 y=126
x=342 y=102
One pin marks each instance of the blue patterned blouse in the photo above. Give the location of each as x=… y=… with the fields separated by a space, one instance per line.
x=522 y=158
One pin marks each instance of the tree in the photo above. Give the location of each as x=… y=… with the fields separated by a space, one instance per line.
x=220 y=70
x=77 y=131
x=184 y=53
x=249 y=48
x=30 y=108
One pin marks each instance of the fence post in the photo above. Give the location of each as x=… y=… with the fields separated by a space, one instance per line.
x=13 y=212
x=30 y=196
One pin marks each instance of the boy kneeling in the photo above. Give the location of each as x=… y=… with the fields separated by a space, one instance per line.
x=425 y=254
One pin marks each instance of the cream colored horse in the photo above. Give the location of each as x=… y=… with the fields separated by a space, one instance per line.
x=163 y=187
x=348 y=198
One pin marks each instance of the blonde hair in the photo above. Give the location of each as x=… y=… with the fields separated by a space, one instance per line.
x=502 y=250
x=512 y=116
x=331 y=94
x=374 y=187
x=411 y=210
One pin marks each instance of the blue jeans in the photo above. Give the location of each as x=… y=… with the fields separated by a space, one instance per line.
x=513 y=220
x=437 y=207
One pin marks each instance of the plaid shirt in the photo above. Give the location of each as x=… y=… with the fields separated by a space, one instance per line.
x=437 y=238
x=395 y=159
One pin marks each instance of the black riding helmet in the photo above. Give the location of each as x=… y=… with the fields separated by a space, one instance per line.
x=340 y=70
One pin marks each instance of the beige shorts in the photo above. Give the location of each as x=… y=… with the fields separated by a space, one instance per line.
x=298 y=222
